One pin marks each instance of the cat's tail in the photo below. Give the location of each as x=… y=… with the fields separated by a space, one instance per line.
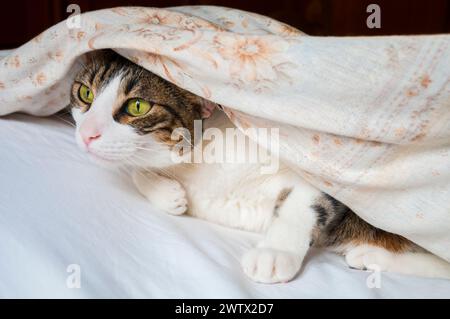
x=368 y=247
x=421 y=264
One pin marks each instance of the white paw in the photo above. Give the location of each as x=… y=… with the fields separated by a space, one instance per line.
x=369 y=258
x=170 y=196
x=164 y=193
x=269 y=266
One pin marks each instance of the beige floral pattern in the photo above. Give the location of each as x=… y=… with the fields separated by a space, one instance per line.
x=356 y=116
x=156 y=17
x=39 y=79
x=254 y=61
x=13 y=62
x=163 y=64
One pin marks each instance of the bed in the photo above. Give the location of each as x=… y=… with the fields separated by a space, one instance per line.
x=62 y=217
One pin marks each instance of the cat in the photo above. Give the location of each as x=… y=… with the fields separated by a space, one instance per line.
x=126 y=116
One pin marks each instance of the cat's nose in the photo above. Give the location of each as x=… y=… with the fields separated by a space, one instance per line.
x=89 y=138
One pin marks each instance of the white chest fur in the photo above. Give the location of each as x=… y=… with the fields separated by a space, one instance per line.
x=231 y=193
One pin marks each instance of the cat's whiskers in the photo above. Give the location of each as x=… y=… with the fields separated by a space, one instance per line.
x=147 y=149
x=163 y=170
x=142 y=169
x=64 y=111
x=145 y=143
x=65 y=121
x=168 y=174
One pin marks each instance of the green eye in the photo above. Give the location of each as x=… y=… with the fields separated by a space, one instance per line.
x=86 y=94
x=137 y=107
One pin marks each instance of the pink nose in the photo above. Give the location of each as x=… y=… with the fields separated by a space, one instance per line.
x=88 y=138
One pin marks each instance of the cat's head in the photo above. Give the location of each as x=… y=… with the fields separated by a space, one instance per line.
x=125 y=114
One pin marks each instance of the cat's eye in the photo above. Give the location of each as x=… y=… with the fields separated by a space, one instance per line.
x=86 y=94
x=137 y=107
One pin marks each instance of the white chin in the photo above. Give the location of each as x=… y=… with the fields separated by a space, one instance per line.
x=158 y=163
x=105 y=162
x=161 y=159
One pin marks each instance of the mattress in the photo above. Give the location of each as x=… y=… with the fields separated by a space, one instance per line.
x=70 y=229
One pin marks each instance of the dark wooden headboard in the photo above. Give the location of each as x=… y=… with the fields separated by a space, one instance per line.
x=21 y=20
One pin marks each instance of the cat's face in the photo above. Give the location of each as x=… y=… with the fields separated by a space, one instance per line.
x=125 y=114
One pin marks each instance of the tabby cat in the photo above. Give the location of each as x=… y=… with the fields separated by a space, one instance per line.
x=126 y=116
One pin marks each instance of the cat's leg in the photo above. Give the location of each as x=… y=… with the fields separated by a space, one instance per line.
x=408 y=263
x=279 y=256
x=165 y=193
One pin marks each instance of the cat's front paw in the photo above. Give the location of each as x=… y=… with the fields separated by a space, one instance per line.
x=270 y=266
x=164 y=193
x=171 y=197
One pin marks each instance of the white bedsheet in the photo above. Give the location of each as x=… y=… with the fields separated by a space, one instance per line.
x=57 y=209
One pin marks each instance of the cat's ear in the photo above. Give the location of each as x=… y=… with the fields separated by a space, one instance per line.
x=208 y=108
